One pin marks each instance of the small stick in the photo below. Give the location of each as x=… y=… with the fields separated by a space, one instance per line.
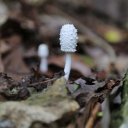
x=93 y=116
x=34 y=84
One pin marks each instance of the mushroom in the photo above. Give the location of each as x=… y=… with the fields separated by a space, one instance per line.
x=43 y=54
x=68 y=42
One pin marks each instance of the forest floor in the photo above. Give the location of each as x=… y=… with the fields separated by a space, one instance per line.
x=96 y=91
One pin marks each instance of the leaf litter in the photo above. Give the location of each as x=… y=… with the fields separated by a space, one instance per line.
x=30 y=99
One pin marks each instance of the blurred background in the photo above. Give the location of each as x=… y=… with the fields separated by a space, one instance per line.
x=102 y=49
x=102 y=27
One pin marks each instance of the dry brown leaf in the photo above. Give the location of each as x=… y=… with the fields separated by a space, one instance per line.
x=14 y=62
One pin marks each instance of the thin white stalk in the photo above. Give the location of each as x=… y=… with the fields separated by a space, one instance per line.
x=44 y=65
x=67 y=68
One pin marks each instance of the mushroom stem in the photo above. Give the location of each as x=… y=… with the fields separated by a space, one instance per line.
x=44 y=65
x=67 y=68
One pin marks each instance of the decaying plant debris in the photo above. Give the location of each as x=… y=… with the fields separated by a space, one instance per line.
x=54 y=102
x=94 y=95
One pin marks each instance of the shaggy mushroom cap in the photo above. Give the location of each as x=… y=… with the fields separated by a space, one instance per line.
x=68 y=38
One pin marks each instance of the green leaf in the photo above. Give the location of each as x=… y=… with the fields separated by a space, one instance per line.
x=113 y=36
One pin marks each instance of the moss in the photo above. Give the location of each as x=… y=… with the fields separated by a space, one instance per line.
x=116 y=118
x=53 y=94
x=45 y=107
x=125 y=88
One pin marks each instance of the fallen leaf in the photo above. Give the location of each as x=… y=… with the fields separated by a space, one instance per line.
x=14 y=62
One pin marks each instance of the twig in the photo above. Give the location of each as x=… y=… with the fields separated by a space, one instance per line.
x=91 y=120
x=85 y=30
x=32 y=85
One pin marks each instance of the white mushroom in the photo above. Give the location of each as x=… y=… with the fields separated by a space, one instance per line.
x=68 y=42
x=43 y=54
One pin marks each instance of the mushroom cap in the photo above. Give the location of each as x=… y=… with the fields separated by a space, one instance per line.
x=43 y=50
x=68 y=38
